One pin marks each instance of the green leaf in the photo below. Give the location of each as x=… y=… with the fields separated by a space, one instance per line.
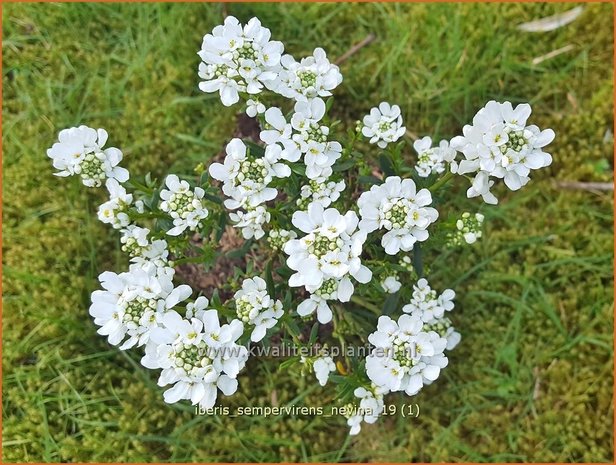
x=298 y=169
x=269 y=279
x=213 y=198
x=314 y=333
x=222 y=222
x=387 y=165
x=328 y=104
x=255 y=149
x=391 y=303
x=344 y=166
x=293 y=328
x=369 y=180
x=288 y=363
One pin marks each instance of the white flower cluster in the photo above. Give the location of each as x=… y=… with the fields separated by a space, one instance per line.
x=256 y=308
x=308 y=79
x=238 y=59
x=405 y=357
x=368 y=410
x=468 y=229
x=246 y=179
x=383 y=125
x=430 y=309
x=303 y=136
x=254 y=107
x=251 y=221
x=320 y=190
x=197 y=355
x=499 y=145
x=397 y=207
x=116 y=210
x=325 y=258
x=133 y=303
x=184 y=206
x=146 y=252
x=79 y=150
x=432 y=159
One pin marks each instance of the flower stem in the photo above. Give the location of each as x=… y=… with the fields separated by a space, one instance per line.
x=368 y=305
x=441 y=182
x=418 y=260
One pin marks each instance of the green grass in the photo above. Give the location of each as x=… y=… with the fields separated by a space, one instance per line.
x=532 y=378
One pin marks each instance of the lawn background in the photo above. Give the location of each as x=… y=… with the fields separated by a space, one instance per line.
x=532 y=378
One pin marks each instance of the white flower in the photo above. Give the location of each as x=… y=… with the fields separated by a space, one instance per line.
x=115 y=210
x=325 y=258
x=323 y=366
x=383 y=125
x=238 y=59
x=277 y=238
x=255 y=307
x=197 y=356
x=254 y=108
x=396 y=207
x=430 y=309
x=251 y=221
x=79 y=150
x=277 y=128
x=330 y=289
x=330 y=248
x=425 y=303
x=246 y=178
x=432 y=159
x=405 y=357
x=320 y=190
x=183 y=205
x=312 y=77
x=391 y=285
x=144 y=252
x=133 y=303
x=303 y=136
x=499 y=144
x=370 y=407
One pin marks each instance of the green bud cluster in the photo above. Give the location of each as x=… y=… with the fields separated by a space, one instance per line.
x=403 y=353
x=315 y=133
x=183 y=203
x=517 y=142
x=132 y=247
x=307 y=78
x=252 y=170
x=398 y=215
x=385 y=126
x=439 y=326
x=323 y=245
x=248 y=51
x=93 y=168
x=136 y=308
x=191 y=356
x=220 y=70
x=277 y=238
x=328 y=288
x=243 y=307
x=424 y=158
x=467 y=223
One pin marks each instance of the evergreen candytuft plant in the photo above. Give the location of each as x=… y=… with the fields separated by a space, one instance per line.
x=318 y=238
